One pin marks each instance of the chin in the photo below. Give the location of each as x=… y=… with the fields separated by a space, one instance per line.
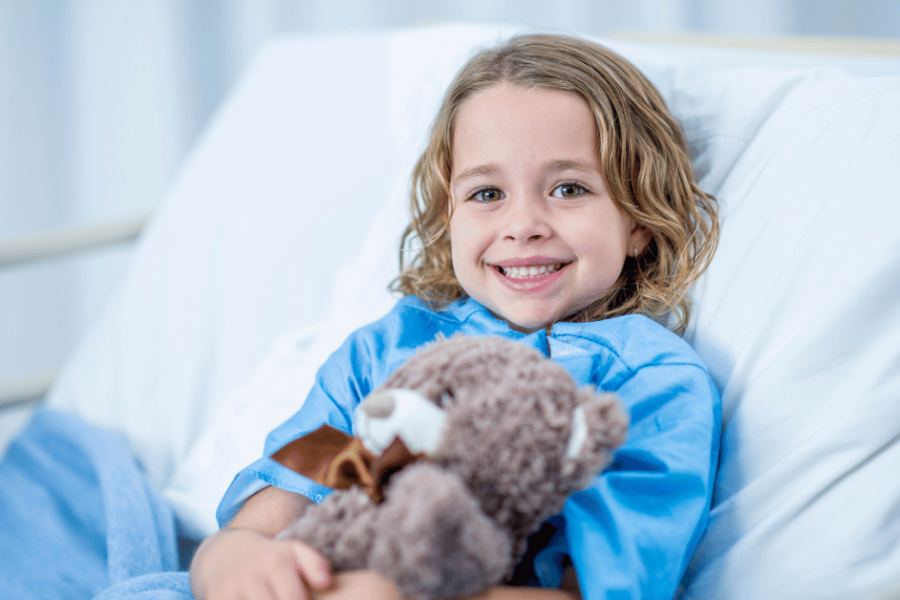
x=525 y=322
x=531 y=325
x=522 y=328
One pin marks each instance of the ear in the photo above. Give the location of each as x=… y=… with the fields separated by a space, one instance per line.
x=578 y=437
x=598 y=427
x=638 y=239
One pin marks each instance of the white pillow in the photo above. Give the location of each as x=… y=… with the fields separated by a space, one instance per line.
x=796 y=318
x=799 y=323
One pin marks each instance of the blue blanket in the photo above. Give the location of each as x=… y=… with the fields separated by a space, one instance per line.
x=79 y=519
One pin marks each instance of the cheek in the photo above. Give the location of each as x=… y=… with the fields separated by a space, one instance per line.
x=457 y=247
x=467 y=249
x=462 y=236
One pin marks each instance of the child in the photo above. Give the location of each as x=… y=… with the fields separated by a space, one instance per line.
x=554 y=204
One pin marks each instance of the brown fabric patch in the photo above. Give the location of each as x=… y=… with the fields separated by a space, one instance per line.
x=335 y=459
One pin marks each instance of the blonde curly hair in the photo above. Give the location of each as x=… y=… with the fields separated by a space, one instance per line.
x=644 y=163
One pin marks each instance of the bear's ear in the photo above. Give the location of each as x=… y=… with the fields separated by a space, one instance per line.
x=579 y=433
x=598 y=427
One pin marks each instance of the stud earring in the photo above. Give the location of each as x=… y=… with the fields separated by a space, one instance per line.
x=634 y=251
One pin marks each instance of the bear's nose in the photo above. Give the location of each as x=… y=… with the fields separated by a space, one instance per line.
x=379 y=406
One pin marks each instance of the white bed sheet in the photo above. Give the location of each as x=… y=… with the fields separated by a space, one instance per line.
x=281 y=233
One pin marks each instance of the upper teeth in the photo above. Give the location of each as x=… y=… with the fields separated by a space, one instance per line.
x=525 y=272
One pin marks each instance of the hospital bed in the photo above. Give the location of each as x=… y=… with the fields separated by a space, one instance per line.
x=280 y=237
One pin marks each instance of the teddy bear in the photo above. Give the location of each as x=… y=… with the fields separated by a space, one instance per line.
x=457 y=459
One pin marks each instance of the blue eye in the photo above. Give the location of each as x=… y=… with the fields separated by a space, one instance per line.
x=568 y=190
x=486 y=195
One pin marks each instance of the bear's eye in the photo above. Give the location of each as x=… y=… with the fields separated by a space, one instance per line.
x=445 y=398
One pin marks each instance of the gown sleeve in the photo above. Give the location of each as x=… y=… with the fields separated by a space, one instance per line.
x=342 y=381
x=633 y=531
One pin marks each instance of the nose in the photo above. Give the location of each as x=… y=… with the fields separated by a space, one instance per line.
x=527 y=219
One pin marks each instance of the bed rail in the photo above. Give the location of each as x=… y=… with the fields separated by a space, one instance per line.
x=67 y=241
x=56 y=243
x=796 y=44
x=26 y=390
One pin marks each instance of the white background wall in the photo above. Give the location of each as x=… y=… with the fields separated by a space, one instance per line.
x=100 y=100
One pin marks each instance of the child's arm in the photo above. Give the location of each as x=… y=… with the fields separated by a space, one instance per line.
x=243 y=560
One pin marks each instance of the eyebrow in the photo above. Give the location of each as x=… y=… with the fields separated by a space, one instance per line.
x=556 y=166
x=473 y=172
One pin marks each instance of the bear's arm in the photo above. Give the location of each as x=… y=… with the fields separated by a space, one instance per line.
x=368 y=585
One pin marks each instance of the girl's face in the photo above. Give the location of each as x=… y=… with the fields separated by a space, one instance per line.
x=535 y=236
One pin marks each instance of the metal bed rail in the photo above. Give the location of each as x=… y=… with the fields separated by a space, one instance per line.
x=45 y=245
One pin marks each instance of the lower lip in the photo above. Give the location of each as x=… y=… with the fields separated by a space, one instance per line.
x=531 y=284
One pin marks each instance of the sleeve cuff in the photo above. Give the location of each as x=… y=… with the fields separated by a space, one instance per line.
x=263 y=473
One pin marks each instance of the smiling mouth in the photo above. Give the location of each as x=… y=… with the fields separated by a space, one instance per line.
x=529 y=271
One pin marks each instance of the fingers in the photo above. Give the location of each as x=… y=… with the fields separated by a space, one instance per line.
x=313 y=567
x=291 y=571
x=243 y=565
x=286 y=588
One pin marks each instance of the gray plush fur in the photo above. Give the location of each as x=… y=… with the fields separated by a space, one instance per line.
x=458 y=523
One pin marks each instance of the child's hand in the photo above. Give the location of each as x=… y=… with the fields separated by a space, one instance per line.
x=240 y=563
x=368 y=585
x=359 y=585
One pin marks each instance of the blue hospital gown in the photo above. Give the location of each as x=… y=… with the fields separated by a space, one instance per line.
x=631 y=533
